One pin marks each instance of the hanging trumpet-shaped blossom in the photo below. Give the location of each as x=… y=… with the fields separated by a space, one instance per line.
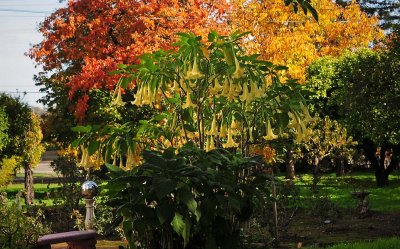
x=230 y=142
x=138 y=97
x=251 y=138
x=118 y=99
x=307 y=116
x=210 y=144
x=175 y=87
x=214 y=128
x=195 y=73
x=269 y=133
x=223 y=131
x=188 y=102
x=225 y=87
x=232 y=93
x=255 y=92
x=234 y=126
x=245 y=97
x=238 y=71
x=216 y=88
x=85 y=161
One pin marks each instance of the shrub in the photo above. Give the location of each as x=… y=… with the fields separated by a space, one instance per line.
x=194 y=199
x=7 y=170
x=17 y=230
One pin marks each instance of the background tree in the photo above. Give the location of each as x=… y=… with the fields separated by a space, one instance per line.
x=3 y=129
x=85 y=40
x=25 y=149
x=18 y=113
x=364 y=96
x=387 y=11
x=327 y=140
x=32 y=154
x=295 y=40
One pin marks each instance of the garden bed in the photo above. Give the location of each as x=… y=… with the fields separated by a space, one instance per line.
x=310 y=230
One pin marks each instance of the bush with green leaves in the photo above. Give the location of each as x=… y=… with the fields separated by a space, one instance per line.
x=8 y=167
x=192 y=199
x=18 y=230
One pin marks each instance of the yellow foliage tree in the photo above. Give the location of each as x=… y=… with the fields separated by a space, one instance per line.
x=295 y=40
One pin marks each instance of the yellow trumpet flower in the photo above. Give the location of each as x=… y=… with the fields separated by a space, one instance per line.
x=254 y=90
x=293 y=120
x=251 y=138
x=213 y=130
x=195 y=73
x=225 y=87
x=146 y=96
x=238 y=71
x=210 y=145
x=175 y=87
x=216 y=88
x=84 y=158
x=232 y=93
x=269 y=133
x=188 y=102
x=235 y=126
x=138 y=97
x=307 y=116
x=245 y=97
x=223 y=131
x=118 y=100
x=230 y=142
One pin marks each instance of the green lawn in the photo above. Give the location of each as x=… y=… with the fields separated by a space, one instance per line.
x=42 y=192
x=339 y=189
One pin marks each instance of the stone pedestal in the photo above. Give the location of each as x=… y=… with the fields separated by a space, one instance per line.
x=363 y=202
x=90 y=219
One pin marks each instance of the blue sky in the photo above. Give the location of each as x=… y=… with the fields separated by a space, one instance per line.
x=19 y=20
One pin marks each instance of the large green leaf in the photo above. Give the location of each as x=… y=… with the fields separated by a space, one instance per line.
x=113 y=168
x=163 y=186
x=182 y=227
x=93 y=147
x=81 y=128
x=187 y=198
x=164 y=211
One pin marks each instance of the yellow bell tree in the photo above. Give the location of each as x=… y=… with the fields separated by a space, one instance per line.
x=295 y=40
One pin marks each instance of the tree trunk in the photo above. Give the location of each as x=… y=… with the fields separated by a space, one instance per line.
x=290 y=173
x=382 y=171
x=29 y=190
x=339 y=166
x=315 y=169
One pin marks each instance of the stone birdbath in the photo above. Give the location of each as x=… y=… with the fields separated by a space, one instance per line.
x=363 y=202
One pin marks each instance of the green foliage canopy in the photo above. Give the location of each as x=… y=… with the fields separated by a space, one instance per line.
x=362 y=89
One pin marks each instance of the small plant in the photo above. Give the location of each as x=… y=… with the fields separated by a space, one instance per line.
x=18 y=230
x=67 y=197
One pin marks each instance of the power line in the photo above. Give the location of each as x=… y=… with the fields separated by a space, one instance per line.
x=25 y=11
x=21 y=92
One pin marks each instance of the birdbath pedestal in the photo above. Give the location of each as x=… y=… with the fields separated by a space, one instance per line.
x=89 y=192
x=363 y=202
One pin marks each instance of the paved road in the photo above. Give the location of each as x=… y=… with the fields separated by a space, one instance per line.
x=44 y=168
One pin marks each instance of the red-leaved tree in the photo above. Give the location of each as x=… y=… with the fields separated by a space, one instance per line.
x=87 y=39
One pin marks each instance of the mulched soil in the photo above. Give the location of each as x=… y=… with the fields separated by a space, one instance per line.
x=306 y=229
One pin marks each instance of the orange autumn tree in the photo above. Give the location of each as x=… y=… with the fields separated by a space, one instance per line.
x=295 y=40
x=87 y=39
